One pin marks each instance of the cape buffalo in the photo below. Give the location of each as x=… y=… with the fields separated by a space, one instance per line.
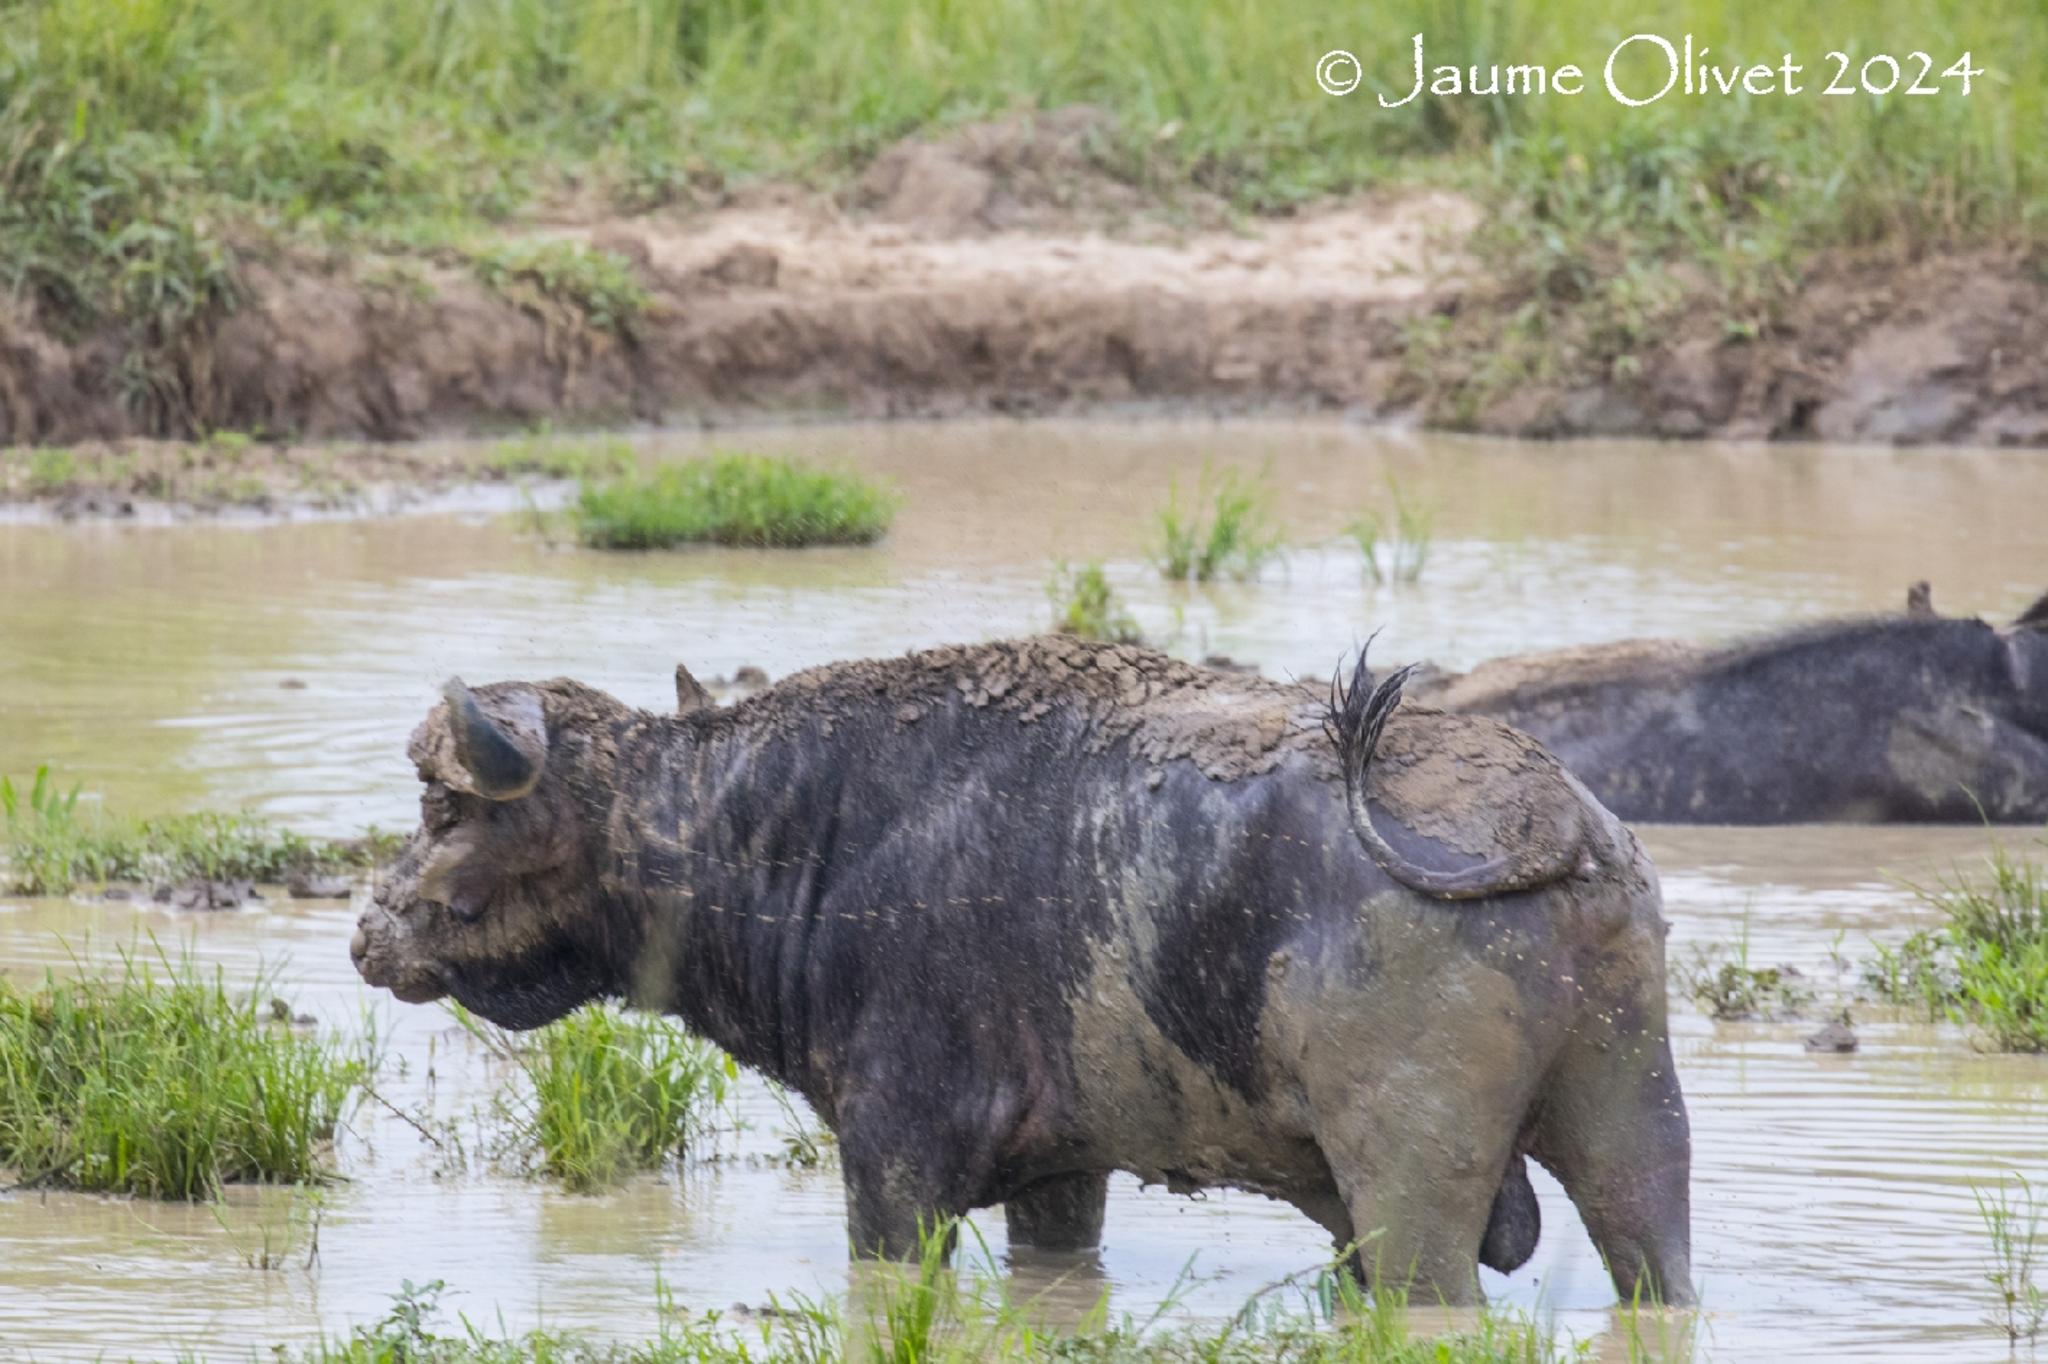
x=1906 y=718
x=1014 y=916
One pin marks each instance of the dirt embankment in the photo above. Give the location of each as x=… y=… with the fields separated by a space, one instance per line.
x=1005 y=269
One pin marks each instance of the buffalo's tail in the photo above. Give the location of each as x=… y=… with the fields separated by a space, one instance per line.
x=1357 y=714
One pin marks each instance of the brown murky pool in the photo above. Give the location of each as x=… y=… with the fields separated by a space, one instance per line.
x=1833 y=1195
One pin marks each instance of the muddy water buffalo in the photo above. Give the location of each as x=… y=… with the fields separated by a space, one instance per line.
x=1907 y=718
x=1015 y=916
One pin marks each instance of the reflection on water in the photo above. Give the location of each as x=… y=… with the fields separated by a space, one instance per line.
x=1833 y=1208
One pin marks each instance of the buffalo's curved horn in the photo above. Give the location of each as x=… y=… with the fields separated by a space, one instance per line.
x=501 y=766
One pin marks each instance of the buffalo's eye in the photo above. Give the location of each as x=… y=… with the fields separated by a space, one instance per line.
x=437 y=807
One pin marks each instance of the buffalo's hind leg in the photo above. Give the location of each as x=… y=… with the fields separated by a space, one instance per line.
x=1419 y=1174
x=1613 y=1129
x=1061 y=1213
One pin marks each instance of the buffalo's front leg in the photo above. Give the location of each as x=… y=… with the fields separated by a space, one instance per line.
x=904 y=1177
x=1060 y=1213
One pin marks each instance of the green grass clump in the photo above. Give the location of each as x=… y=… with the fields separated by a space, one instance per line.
x=1405 y=538
x=51 y=471
x=1230 y=531
x=1086 y=606
x=49 y=845
x=168 y=1086
x=1986 y=964
x=733 y=499
x=598 y=285
x=1728 y=988
x=610 y=1093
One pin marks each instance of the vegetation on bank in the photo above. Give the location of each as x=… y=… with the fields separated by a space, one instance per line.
x=732 y=499
x=156 y=1079
x=540 y=456
x=608 y=1093
x=156 y=147
x=50 y=844
x=1986 y=963
x=231 y=470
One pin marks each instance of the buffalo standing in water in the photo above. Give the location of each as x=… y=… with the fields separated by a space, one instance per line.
x=1908 y=718
x=1015 y=916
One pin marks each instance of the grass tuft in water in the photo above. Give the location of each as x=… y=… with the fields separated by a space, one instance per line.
x=2012 y=1224
x=49 y=844
x=1986 y=964
x=1086 y=606
x=1724 y=984
x=609 y=1093
x=733 y=499
x=1229 y=532
x=1395 y=546
x=927 y=1313
x=159 y=1080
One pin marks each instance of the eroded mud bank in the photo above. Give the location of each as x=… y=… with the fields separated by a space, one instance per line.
x=1007 y=270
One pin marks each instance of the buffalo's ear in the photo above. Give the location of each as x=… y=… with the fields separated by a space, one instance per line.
x=1920 y=600
x=690 y=693
x=2035 y=617
x=497 y=756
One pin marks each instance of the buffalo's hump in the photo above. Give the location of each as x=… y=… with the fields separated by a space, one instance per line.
x=1460 y=787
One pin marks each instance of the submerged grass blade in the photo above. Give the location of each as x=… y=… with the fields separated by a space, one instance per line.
x=929 y=1313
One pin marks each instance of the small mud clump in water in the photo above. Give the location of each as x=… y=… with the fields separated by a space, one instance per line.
x=1838 y=1036
x=205 y=893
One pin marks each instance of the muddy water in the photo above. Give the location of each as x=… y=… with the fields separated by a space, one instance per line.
x=1834 y=1213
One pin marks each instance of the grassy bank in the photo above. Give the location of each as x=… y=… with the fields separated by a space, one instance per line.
x=158 y=1080
x=49 y=844
x=153 y=147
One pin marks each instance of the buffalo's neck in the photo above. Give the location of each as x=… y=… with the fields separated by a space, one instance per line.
x=723 y=842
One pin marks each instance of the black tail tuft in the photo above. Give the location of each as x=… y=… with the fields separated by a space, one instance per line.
x=1358 y=712
x=1356 y=716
